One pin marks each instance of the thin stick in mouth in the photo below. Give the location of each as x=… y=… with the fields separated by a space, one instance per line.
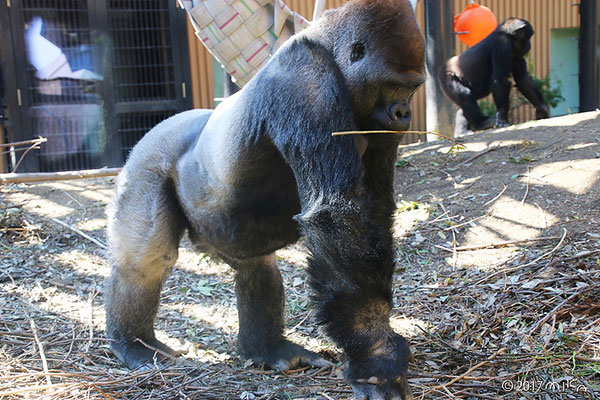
x=344 y=133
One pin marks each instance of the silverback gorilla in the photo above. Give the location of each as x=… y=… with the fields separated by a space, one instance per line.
x=262 y=169
x=487 y=67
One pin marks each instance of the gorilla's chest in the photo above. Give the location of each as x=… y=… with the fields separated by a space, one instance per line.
x=248 y=214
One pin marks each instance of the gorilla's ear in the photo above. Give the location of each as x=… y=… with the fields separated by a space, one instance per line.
x=512 y=25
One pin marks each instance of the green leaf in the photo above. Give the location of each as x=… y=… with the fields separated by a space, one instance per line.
x=205 y=288
x=401 y=163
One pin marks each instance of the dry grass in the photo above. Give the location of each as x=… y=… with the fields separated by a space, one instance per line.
x=498 y=284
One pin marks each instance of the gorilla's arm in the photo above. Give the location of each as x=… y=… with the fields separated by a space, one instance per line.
x=347 y=204
x=501 y=69
x=527 y=87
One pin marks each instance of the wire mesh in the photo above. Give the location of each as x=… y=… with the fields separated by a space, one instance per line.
x=143 y=61
x=71 y=112
x=133 y=126
x=66 y=24
x=65 y=111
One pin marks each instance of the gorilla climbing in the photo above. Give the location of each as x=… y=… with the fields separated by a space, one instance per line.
x=487 y=67
x=262 y=170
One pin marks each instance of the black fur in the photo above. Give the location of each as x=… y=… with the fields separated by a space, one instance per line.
x=486 y=68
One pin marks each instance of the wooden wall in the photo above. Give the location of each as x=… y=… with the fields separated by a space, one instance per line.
x=543 y=14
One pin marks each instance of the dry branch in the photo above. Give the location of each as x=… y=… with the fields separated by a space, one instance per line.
x=42 y=352
x=97 y=242
x=476 y=156
x=499 y=244
x=559 y=306
x=24 y=142
x=58 y=176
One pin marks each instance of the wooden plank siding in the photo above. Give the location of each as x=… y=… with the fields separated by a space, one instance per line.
x=201 y=69
x=544 y=15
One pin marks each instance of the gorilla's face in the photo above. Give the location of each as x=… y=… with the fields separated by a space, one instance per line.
x=383 y=63
x=521 y=41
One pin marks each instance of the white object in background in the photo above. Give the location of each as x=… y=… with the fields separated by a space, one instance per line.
x=319 y=7
x=48 y=59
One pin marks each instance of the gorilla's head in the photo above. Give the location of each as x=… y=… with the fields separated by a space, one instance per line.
x=520 y=32
x=381 y=52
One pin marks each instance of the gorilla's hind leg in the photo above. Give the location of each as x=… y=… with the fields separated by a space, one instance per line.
x=261 y=303
x=145 y=226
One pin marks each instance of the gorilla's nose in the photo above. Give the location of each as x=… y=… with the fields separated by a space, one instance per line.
x=400 y=114
x=393 y=117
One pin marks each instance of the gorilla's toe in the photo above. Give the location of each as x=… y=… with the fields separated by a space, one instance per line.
x=143 y=354
x=286 y=355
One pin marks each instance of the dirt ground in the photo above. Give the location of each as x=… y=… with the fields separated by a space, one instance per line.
x=498 y=284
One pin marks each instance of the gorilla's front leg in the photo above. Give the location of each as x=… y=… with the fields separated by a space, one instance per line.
x=351 y=275
x=261 y=304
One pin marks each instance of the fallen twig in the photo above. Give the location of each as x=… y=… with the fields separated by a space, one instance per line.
x=490 y=201
x=24 y=142
x=473 y=368
x=558 y=307
x=582 y=254
x=82 y=234
x=42 y=353
x=499 y=244
x=526 y=190
x=58 y=176
x=476 y=156
x=466 y=223
x=519 y=267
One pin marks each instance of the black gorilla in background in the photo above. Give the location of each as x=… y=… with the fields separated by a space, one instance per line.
x=487 y=67
x=262 y=169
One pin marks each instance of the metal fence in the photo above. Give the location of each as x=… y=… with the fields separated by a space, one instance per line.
x=123 y=67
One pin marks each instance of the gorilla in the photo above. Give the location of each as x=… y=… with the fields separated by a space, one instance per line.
x=487 y=67
x=262 y=170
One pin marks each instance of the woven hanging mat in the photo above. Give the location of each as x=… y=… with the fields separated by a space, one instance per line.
x=242 y=34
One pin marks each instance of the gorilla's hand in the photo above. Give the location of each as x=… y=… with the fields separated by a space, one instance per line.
x=382 y=374
x=542 y=112
x=378 y=390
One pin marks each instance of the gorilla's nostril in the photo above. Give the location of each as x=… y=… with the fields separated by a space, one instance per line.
x=399 y=111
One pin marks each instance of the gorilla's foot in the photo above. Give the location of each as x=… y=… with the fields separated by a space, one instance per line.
x=143 y=353
x=285 y=355
x=501 y=122
x=487 y=123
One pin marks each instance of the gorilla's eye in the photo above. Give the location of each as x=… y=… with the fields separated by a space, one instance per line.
x=358 y=52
